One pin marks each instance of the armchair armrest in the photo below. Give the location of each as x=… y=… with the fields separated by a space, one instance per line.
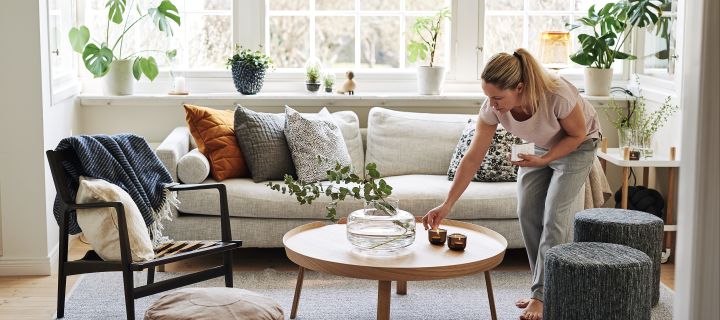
x=175 y=145
x=226 y=235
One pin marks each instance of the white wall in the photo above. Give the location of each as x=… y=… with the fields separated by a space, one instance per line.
x=29 y=126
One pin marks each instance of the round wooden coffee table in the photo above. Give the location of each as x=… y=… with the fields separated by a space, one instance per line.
x=324 y=248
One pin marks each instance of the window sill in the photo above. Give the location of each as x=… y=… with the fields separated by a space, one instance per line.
x=462 y=100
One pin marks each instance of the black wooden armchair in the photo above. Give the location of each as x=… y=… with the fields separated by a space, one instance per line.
x=168 y=253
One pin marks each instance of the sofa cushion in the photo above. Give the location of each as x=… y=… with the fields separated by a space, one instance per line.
x=213 y=131
x=262 y=138
x=496 y=166
x=350 y=127
x=311 y=136
x=417 y=194
x=193 y=167
x=412 y=143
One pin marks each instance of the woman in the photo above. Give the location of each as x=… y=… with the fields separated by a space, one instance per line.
x=547 y=110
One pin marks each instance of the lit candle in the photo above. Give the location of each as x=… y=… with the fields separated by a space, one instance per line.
x=437 y=236
x=179 y=85
x=457 y=241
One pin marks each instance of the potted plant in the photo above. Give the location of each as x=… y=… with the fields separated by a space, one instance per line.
x=427 y=30
x=105 y=58
x=329 y=81
x=636 y=126
x=379 y=226
x=611 y=26
x=248 y=69
x=313 y=69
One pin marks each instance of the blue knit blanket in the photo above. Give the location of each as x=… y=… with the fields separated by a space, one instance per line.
x=125 y=160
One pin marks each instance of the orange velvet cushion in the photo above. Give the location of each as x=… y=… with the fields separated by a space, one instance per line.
x=213 y=131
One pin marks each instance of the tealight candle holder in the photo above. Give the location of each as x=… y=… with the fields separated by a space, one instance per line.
x=457 y=241
x=437 y=236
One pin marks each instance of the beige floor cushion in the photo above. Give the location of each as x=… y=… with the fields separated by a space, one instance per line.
x=100 y=225
x=214 y=304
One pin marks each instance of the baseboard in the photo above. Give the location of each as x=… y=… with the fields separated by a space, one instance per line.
x=26 y=266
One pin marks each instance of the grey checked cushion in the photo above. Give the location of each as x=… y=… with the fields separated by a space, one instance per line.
x=193 y=167
x=261 y=137
x=496 y=166
x=308 y=137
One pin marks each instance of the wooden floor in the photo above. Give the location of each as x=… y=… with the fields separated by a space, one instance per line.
x=33 y=297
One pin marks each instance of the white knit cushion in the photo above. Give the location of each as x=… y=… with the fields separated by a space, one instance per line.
x=412 y=143
x=350 y=127
x=311 y=136
x=100 y=225
x=193 y=167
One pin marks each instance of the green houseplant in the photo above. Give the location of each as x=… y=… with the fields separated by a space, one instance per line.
x=610 y=28
x=248 y=69
x=423 y=44
x=380 y=226
x=329 y=81
x=105 y=57
x=313 y=69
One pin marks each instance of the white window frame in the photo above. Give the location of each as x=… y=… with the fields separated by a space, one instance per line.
x=653 y=80
x=64 y=81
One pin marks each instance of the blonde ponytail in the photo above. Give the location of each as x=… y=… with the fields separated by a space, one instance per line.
x=506 y=71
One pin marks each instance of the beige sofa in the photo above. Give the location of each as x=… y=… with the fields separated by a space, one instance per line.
x=412 y=152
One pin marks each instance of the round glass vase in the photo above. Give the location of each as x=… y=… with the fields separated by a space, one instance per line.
x=380 y=227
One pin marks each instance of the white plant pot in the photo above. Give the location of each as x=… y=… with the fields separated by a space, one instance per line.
x=430 y=80
x=597 y=81
x=119 y=81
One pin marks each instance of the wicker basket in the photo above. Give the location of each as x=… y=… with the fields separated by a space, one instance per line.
x=248 y=79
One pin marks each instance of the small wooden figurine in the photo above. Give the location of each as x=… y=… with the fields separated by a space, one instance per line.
x=349 y=85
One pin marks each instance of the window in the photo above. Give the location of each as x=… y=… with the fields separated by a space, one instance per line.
x=203 y=41
x=657 y=45
x=62 y=64
x=511 y=24
x=368 y=34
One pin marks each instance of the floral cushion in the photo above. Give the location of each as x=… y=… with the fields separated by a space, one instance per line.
x=496 y=166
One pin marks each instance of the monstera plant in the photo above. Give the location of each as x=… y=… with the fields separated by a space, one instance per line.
x=104 y=57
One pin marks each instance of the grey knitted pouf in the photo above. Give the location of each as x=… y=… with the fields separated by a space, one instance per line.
x=593 y=280
x=635 y=229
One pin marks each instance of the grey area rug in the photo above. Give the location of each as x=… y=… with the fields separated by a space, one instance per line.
x=100 y=296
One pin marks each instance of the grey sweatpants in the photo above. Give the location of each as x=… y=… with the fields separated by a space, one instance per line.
x=545 y=197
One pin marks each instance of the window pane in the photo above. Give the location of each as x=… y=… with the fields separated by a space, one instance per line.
x=209 y=41
x=504 y=4
x=380 y=5
x=502 y=34
x=289 y=41
x=193 y=5
x=552 y=5
x=538 y=24
x=335 y=42
x=440 y=51
x=380 y=42
x=288 y=4
x=334 y=5
x=584 y=5
x=658 y=43
x=425 y=5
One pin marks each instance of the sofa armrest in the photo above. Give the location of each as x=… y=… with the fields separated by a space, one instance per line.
x=176 y=145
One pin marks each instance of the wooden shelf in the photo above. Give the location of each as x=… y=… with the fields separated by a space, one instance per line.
x=614 y=156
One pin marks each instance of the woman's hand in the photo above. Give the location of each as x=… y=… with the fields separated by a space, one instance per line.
x=530 y=160
x=433 y=218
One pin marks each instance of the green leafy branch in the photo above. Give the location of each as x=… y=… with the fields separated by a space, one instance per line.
x=98 y=55
x=344 y=184
x=635 y=117
x=428 y=30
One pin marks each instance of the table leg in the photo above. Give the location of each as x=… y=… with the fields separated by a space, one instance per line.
x=402 y=287
x=670 y=218
x=298 y=289
x=624 y=203
x=491 y=297
x=383 y=308
x=646 y=176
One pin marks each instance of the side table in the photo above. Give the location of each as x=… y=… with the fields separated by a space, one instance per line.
x=619 y=157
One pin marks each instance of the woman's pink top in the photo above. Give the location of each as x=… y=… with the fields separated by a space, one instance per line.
x=543 y=128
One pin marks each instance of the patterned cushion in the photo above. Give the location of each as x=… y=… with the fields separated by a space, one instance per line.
x=213 y=131
x=309 y=136
x=193 y=167
x=496 y=166
x=262 y=139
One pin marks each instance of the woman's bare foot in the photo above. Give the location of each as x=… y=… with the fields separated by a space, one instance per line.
x=522 y=303
x=533 y=311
